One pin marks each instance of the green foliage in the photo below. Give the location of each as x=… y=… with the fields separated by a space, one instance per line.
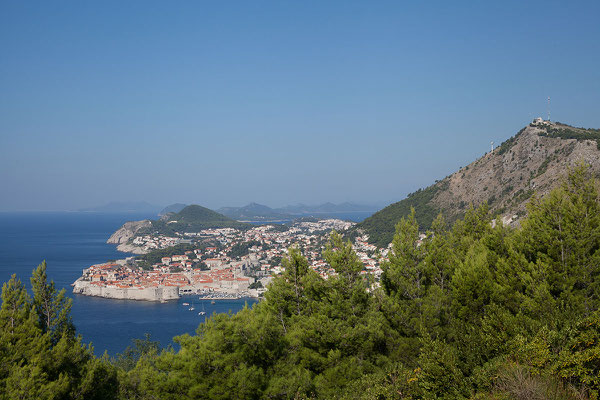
x=192 y=218
x=380 y=226
x=155 y=256
x=255 y=285
x=472 y=311
x=53 y=308
x=568 y=132
x=509 y=143
x=40 y=356
x=145 y=347
x=579 y=362
x=242 y=249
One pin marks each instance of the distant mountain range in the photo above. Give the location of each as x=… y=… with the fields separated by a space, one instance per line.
x=533 y=161
x=173 y=208
x=124 y=207
x=259 y=212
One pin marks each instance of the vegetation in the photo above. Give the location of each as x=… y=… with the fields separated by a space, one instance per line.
x=242 y=248
x=255 y=285
x=40 y=356
x=473 y=311
x=569 y=132
x=380 y=226
x=508 y=144
x=192 y=218
x=155 y=256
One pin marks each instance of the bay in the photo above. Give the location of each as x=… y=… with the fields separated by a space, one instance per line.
x=72 y=241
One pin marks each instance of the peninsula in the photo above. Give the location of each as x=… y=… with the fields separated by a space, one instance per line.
x=215 y=263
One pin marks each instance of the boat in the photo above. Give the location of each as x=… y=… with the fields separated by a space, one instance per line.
x=192 y=308
x=212 y=302
x=186 y=304
x=202 y=312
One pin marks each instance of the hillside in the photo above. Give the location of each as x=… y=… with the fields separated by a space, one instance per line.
x=259 y=212
x=193 y=218
x=253 y=211
x=303 y=209
x=532 y=161
x=173 y=208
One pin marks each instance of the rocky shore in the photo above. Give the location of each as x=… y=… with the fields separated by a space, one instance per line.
x=127 y=232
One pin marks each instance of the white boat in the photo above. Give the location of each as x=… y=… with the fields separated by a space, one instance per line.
x=186 y=304
x=192 y=308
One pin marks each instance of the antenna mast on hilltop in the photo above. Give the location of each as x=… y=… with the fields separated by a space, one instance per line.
x=492 y=143
x=548 y=108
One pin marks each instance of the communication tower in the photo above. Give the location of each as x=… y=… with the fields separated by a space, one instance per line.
x=548 y=108
x=492 y=144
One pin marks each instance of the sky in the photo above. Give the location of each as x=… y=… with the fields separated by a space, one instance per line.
x=276 y=102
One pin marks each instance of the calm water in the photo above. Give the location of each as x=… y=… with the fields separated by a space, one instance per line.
x=70 y=242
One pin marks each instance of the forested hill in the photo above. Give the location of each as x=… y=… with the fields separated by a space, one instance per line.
x=193 y=218
x=475 y=311
x=532 y=161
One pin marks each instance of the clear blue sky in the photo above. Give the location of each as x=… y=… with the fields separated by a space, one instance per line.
x=223 y=103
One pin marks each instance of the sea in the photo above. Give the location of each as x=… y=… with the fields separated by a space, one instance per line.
x=72 y=241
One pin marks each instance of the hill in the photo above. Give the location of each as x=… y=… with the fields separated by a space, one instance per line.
x=253 y=211
x=173 y=208
x=532 y=161
x=259 y=212
x=303 y=209
x=193 y=218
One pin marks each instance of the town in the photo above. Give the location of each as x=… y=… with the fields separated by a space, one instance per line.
x=218 y=263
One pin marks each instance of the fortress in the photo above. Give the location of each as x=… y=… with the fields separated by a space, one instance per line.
x=132 y=293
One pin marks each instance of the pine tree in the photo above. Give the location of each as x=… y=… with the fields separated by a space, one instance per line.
x=53 y=308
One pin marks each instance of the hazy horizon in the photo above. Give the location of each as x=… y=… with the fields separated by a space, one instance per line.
x=276 y=103
x=159 y=207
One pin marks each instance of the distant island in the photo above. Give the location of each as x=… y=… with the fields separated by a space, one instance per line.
x=259 y=213
x=173 y=208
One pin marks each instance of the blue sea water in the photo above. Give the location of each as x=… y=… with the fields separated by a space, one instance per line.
x=70 y=242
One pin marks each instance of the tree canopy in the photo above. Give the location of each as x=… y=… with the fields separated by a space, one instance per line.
x=476 y=310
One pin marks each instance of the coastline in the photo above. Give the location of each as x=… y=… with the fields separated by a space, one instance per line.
x=109 y=280
x=130 y=248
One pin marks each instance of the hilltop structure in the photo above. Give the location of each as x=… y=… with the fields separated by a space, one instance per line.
x=530 y=162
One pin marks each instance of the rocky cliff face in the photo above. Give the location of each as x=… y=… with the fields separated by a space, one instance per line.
x=532 y=161
x=127 y=232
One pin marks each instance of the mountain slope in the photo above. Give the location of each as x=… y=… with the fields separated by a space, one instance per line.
x=259 y=212
x=301 y=209
x=173 y=208
x=193 y=218
x=253 y=211
x=533 y=160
